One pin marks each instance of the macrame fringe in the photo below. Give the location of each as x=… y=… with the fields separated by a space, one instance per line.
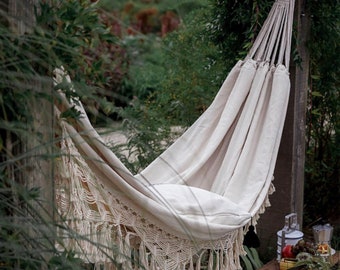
x=124 y=239
x=108 y=252
x=105 y=242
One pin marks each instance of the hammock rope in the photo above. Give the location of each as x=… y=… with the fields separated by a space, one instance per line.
x=193 y=204
x=274 y=39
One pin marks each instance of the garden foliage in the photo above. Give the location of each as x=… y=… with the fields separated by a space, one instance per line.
x=153 y=80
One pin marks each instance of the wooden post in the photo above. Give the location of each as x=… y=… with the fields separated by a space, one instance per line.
x=36 y=145
x=20 y=14
x=300 y=96
x=289 y=171
x=21 y=20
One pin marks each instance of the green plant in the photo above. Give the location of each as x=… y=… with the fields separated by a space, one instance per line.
x=28 y=218
x=235 y=24
x=313 y=263
x=250 y=261
x=173 y=81
x=323 y=117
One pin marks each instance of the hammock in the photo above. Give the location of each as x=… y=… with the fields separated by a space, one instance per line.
x=192 y=205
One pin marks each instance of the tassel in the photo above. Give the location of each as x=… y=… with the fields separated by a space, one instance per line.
x=251 y=239
x=221 y=259
x=120 y=256
x=211 y=260
x=231 y=256
x=198 y=263
x=153 y=263
x=191 y=266
x=143 y=256
x=127 y=252
x=217 y=266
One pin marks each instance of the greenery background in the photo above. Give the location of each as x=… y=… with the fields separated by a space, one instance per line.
x=133 y=77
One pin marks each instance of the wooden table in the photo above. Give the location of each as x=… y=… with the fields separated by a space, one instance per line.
x=272 y=265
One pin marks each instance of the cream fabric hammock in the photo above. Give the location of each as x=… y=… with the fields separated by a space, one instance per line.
x=193 y=204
